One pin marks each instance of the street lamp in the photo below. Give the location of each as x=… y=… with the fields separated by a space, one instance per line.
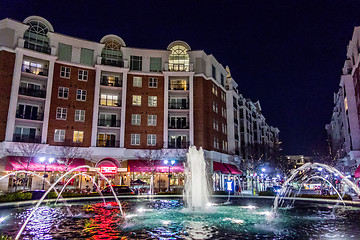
x=171 y=163
x=43 y=160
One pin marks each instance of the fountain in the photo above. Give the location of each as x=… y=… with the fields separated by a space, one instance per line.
x=196 y=193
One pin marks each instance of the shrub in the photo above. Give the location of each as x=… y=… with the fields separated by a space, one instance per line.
x=267 y=193
x=16 y=196
x=4 y=237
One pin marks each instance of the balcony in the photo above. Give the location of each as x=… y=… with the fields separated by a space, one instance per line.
x=179 y=87
x=39 y=48
x=109 y=123
x=112 y=62
x=32 y=92
x=107 y=143
x=35 y=70
x=110 y=102
x=26 y=138
x=38 y=116
x=179 y=105
x=112 y=83
x=179 y=145
x=178 y=126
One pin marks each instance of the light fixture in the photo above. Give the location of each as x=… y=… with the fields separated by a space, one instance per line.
x=42 y=159
x=166 y=162
x=319 y=169
x=172 y=162
x=263 y=169
x=51 y=159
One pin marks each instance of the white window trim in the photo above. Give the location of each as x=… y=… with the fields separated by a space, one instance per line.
x=157 y=82
x=152 y=120
x=132 y=102
x=82 y=75
x=63 y=92
x=151 y=140
x=65 y=72
x=61 y=113
x=152 y=101
x=134 y=117
x=82 y=91
x=80 y=111
x=59 y=140
x=138 y=80
x=131 y=142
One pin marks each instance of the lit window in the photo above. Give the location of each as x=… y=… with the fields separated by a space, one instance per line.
x=61 y=113
x=152 y=101
x=224 y=128
x=216 y=125
x=36 y=37
x=109 y=100
x=152 y=120
x=81 y=95
x=79 y=115
x=137 y=81
x=179 y=58
x=65 y=72
x=83 y=75
x=151 y=139
x=78 y=136
x=59 y=135
x=63 y=92
x=135 y=119
x=135 y=139
x=153 y=82
x=136 y=101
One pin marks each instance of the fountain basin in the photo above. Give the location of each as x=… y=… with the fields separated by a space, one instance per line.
x=167 y=218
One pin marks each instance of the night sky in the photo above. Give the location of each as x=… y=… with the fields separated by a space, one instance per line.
x=287 y=54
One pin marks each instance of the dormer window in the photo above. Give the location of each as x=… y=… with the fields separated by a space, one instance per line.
x=111 y=53
x=179 y=56
x=36 y=37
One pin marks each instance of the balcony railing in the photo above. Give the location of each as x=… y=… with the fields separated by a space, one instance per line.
x=109 y=123
x=32 y=92
x=110 y=102
x=112 y=62
x=183 y=87
x=107 y=82
x=179 y=145
x=179 y=126
x=35 y=70
x=179 y=105
x=107 y=143
x=38 y=48
x=38 y=116
x=26 y=138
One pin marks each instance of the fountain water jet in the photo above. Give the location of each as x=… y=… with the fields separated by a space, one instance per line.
x=86 y=175
x=307 y=167
x=196 y=193
x=53 y=186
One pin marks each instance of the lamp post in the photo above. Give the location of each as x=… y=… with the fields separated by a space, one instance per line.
x=171 y=163
x=43 y=160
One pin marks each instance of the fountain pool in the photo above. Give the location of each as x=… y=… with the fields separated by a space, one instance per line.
x=244 y=218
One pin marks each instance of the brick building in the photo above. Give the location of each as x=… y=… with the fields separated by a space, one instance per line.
x=118 y=101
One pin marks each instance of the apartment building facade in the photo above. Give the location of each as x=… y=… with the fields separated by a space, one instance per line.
x=344 y=129
x=117 y=101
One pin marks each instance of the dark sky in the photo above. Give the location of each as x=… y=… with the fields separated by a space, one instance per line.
x=287 y=54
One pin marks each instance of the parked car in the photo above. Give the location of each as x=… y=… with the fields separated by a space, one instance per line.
x=119 y=189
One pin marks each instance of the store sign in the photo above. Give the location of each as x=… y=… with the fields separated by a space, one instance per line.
x=108 y=170
x=229 y=186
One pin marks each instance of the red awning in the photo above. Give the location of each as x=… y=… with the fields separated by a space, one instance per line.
x=233 y=169
x=357 y=172
x=219 y=167
x=20 y=163
x=156 y=165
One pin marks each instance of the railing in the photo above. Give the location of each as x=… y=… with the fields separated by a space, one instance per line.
x=179 y=105
x=32 y=92
x=112 y=62
x=179 y=126
x=107 y=143
x=26 y=138
x=183 y=87
x=107 y=82
x=35 y=70
x=39 y=116
x=109 y=123
x=38 y=48
x=179 y=145
x=110 y=102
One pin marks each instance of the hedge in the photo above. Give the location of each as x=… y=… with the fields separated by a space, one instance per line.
x=16 y=196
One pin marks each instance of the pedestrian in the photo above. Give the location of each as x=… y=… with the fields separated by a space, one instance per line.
x=236 y=189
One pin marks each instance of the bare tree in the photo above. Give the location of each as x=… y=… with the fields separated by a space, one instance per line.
x=149 y=156
x=27 y=150
x=68 y=154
